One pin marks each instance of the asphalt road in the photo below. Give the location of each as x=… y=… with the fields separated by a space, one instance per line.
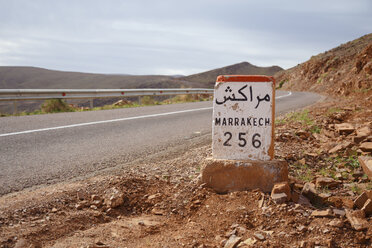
x=42 y=149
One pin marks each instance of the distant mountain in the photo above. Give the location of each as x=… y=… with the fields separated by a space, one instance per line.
x=18 y=77
x=13 y=77
x=208 y=78
x=344 y=70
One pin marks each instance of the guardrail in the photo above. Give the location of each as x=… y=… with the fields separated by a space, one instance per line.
x=44 y=94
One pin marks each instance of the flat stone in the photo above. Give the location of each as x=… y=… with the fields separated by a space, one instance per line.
x=279 y=198
x=282 y=187
x=339 y=212
x=157 y=211
x=238 y=175
x=336 y=223
x=363 y=131
x=344 y=128
x=322 y=213
x=341 y=147
x=328 y=182
x=360 y=200
x=259 y=236
x=367 y=208
x=232 y=242
x=366 y=163
x=335 y=149
x=357 y=219
x=358 y=139
x=248 y=242
x=366 y=147
x=153 y=196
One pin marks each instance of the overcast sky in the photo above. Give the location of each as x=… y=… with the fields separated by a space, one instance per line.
x=171 y=36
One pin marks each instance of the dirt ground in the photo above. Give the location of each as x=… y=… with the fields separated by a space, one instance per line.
x=161 y=203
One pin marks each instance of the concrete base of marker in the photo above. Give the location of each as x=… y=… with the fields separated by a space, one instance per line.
x=237 y=175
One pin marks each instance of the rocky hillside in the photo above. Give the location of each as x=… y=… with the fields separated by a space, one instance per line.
x=208 y=78
x=344 y=70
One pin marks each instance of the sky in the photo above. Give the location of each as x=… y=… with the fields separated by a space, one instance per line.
x=173 y=37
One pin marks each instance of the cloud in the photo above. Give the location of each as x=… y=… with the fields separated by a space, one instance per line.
x=161 y=37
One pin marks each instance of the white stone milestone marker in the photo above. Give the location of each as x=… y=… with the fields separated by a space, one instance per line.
x=243 y=118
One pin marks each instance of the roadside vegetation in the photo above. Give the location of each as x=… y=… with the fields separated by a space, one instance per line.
x=60 y=105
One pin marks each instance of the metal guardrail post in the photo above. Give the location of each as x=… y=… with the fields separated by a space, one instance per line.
x=15 y=107
x=91 y=103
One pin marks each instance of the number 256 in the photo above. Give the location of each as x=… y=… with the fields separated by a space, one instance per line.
x=256 y=143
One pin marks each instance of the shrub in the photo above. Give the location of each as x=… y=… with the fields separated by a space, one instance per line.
x=281 y=84
x=55 y=105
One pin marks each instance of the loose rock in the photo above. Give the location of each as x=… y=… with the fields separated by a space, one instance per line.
x=322 y=213
x=328 y=182
x=360 y=200
x=259 y=236
x=339 y=212
x=248 y=242
x=336 y=223
x=344 y=128
x=232 y=242
x=114 y=198
x=279 y=198
x=282 y=187
x=357 y=219
x=311 y=193
x=366 y=163
x=367 y=208
x=366 y=147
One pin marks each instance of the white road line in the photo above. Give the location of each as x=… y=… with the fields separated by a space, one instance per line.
x=107 y=121
x=289 y=93
x=114 y=120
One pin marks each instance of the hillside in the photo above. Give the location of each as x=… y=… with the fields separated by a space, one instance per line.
x=12 y=77
x=17 y=77
x=344 y=70
x=208 y=78
x=38 y=78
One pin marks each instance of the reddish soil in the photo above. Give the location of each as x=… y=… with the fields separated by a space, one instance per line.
x=164 y=206
x=160 y=203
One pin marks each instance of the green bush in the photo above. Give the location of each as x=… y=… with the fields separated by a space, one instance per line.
x=281 y=84
x=56 y=105
x=147 y=100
